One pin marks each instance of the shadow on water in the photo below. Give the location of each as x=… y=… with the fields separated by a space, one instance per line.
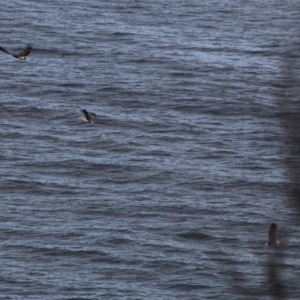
x=287 y=91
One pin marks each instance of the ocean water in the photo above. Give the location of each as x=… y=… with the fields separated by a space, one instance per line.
x=171 y=192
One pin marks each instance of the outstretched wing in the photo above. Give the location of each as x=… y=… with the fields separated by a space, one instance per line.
x=26 y=51
x=273 y=234
x=4 y=50
x=85 y=114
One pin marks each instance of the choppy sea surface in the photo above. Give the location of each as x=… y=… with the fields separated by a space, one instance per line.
x=171 y=192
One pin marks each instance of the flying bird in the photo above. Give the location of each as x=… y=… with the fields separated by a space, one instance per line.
x=86 y=116
x=22 y=55
x=273 y=242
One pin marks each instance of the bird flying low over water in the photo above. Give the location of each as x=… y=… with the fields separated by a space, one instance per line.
x=273 y=242
x=86 y=116
x=22 y=55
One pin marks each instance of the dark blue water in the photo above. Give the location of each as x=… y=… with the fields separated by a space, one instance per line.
x=170 y=193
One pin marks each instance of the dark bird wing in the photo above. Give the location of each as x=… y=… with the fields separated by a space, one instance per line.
x=4 y=50
x=94 y=115
x=25 y=52
x=273 y=234
x=85 y=114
